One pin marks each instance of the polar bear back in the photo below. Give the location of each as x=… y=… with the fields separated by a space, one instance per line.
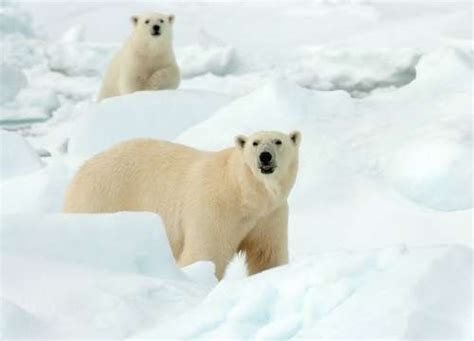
x=133 y=176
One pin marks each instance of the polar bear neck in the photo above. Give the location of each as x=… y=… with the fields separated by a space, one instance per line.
x=161 y=51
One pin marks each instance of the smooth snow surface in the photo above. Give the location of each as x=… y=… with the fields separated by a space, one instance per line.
x=17 y=156
x=380 y=226
x=163 y=115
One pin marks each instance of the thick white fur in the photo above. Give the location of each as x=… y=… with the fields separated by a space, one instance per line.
x=213 y=204
x=145 y=62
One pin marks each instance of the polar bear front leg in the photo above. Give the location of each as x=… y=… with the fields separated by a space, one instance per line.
x=166 y=78
x=266 y=246
x=128 y=82
x=204 y=243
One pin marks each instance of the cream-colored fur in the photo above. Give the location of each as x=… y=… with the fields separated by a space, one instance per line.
x=213 y=204
x=146 y=61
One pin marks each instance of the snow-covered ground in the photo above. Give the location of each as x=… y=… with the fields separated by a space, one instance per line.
x=381 y=214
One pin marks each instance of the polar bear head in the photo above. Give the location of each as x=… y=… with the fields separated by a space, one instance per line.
x=153 y=27
x=270 y=153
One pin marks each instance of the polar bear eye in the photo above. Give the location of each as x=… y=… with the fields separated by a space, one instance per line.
x=162 y=21
x=278 y=142
x=147 y=21
x=255 y=143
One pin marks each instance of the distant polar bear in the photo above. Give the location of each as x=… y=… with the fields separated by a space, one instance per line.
x=146 y=60
x=213 y=204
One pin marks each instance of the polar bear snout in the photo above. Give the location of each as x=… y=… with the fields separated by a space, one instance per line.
x=156 y=30
x=265 y=158
x=266 y=162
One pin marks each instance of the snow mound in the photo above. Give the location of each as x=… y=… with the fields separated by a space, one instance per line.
x=154 y=114
x=73 y=57
x=198 y=60
x=77 y=302
x=135 y=242
x=454 y=75
x=31 y=104
x=22 y=51
x=74 y=34
x=59 y=73
x=386 y=293
x=37 y=192
x=202 y=272
x=431 y=163
x=436 y=172
x=17 y=156
x=210 y=56
x=15 y=322
x=357 y=72
x=102 y=276
x=12 y=80
x=279 y=105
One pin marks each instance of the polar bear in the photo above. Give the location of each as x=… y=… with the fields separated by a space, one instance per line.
x=146 y=60
x=213 y=204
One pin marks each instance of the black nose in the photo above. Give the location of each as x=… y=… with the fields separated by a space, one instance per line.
x=265 y=157
x=156 y=28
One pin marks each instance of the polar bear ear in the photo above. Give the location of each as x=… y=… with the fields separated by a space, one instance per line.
x=134 y=19
x=240 y=141
x=295 y=136
x=171 y=18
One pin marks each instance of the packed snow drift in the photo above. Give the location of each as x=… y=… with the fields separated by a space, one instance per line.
x=380 y=230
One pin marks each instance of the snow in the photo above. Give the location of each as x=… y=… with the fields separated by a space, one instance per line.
x=43 y=77
x=361 y=72
x=210 y=56
x=14 y=21
x=12 y=81
x=202 y=272
x=37 y=192
x=380 y=235
x=309 y=299
x=88 y=275
x=16 y=155
x=94 y=57
x=146 y=250
x=156 y=115
x=430 y=180
x=62 y=58
x=17 y=322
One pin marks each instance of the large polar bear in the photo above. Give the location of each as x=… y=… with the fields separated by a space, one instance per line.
x=213 y=204
x=146 y=60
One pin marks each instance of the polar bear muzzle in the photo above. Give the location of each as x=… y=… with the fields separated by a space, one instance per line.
x=156 y=30
x=266 y=162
